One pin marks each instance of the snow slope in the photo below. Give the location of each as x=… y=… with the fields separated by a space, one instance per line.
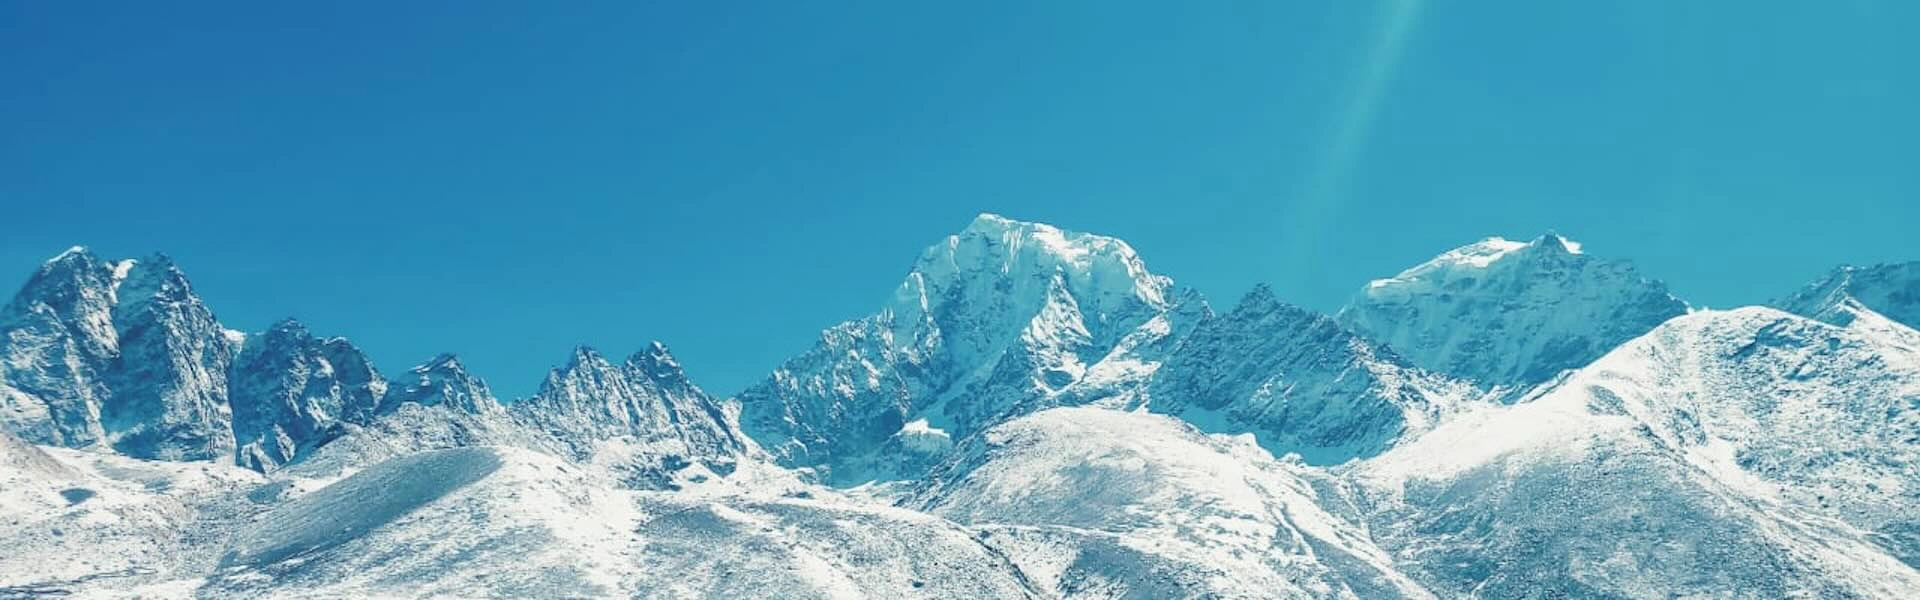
x=1746 y=453
x=92 y=524
x=461 y=522
x=28 y=477
x=797 y=548
x=1104 y=503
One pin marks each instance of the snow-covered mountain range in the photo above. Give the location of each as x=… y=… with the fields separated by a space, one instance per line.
x=1031 y=413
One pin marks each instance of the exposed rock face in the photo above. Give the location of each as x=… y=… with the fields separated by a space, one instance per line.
x=293 y=392
x=58 y=338
x=442 y=381
x=169 y=381
x=124 y=355
x=646 y=402
x=120 y=353
x=1300 y=382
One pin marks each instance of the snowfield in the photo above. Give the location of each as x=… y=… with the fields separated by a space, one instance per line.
x=1135 y=504
x=1749 y=453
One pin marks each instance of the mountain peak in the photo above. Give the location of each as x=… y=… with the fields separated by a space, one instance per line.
x=1486 y=253
x=655 y=359
x=990 y=222
x=160 y=260
x=1555 y=242
x=584 y=354
x=76 y=253
x=67 y=277
x=123 y=351
x=993 y=247
x=292 y=392
x=288 y=326
x=1002 y=316
x=153 y=283
x=1068 y=246
x=75 y=269
x=155 y=269
x=445 y=361
x=441 y=380
x=1890 y=289
x=1261 y=294
x=1501 y=312
x=1262 y=301
x=585 y=364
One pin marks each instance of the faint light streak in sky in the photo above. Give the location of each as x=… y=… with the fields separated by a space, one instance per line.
x=1352 y=124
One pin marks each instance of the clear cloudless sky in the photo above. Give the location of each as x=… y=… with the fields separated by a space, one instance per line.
x=508 y=179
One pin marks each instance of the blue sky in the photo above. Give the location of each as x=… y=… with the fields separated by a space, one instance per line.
x=506 y=180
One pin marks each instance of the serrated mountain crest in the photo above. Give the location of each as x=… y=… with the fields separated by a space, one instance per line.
x=646 y=401
x=1300 y=382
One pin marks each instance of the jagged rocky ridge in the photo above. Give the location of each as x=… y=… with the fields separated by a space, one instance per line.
x=1298 y=380
x=123 y=355
x=646 y=401
x=1007 y=318
x=1747 y=453
x=1002 y=319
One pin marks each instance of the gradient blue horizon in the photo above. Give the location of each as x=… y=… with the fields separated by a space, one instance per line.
x=502 y=183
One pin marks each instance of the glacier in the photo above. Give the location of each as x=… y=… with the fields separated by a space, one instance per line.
x=1032 y=413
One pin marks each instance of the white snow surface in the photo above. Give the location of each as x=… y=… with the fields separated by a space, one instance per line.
x=1032 y=414
x=1104 y=502
x=1746 y=453
x=463 y=522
